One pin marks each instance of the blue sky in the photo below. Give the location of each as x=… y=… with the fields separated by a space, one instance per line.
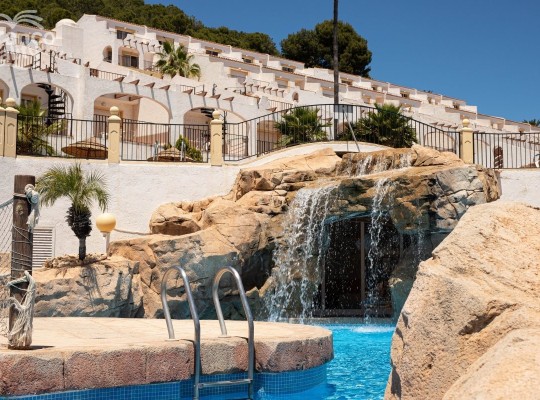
x=486 y=52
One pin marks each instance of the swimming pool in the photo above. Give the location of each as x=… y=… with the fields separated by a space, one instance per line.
x=360 y=367
x=359 y=370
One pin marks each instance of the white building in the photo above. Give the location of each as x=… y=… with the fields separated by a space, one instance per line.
x=98 y=62
x=81 y=69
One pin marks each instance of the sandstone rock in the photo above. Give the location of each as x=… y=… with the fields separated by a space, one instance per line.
x=171 y=219
x=481 y=284
x=103 y=288
x=508 y=370
x=426 y=156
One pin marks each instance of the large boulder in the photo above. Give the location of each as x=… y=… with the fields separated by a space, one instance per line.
x=473 y=312
x=98 y=286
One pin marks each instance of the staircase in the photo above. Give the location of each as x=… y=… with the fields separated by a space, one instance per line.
x=56 y=103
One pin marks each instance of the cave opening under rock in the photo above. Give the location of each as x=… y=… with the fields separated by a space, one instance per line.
x=358 y=266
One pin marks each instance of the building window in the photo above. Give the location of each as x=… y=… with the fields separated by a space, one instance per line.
x=247 y=60
x=130 y=61
x=346 y=82
x=121 y=34
x=213 y=53
x=456 y=106
x=288 y=68
x=282 y=83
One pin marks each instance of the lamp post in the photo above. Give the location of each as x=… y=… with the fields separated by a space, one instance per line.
x=106 y=223
x=336 y=66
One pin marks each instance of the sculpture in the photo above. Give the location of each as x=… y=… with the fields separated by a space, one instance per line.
x=33 y=198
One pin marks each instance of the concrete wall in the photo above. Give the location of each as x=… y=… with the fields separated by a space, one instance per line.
x=521 y=185
x=136 y=191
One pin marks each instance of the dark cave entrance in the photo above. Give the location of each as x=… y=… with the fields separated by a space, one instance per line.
x=357 y=266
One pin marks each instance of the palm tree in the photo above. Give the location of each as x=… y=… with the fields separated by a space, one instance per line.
x=82 y=189
x=177 y=61
x=533 y=122
x=33 y=130
x=301 y=125
x=386 y=126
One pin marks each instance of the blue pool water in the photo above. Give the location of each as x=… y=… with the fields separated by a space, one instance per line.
x=360 y=367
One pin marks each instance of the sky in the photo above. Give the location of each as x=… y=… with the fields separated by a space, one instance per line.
x=486 y=52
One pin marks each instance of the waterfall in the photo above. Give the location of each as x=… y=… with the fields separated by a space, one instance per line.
x=376 y=246
x=299 y=258
x=380 y=163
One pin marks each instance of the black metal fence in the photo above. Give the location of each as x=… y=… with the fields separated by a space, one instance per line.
x=145 y=141
x=507 y=150
x=61 y=137
x=329 y=122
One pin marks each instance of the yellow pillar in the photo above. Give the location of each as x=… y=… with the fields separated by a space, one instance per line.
x=113 y=143
x=10 y=129
x=216 y=140
x=467 y=147
x=2 y=128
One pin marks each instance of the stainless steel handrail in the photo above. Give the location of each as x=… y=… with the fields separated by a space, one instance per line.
x=194 y=316
x=249 y=317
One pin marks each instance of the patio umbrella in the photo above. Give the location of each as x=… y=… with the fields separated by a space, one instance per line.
x=90 y=149
x=171 y=154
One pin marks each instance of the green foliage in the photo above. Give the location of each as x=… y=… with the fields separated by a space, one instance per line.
x=82 y=189
x=175 y=61
x=301 y=125
x=533 y=122
x=386 y=126
x=33 y=129
x=191 y=151
x=314 y=48
x=166 y=17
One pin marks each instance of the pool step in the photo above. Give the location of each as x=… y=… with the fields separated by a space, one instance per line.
x=225 y=383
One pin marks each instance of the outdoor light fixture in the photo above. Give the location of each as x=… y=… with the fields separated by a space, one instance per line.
x=106 y=224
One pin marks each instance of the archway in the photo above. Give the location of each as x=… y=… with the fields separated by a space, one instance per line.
x=55 y=100
x=107 y=54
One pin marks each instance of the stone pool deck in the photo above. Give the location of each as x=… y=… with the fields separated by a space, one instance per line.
x=83 y=353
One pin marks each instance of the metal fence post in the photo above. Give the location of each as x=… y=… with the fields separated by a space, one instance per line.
x=467 y=147
x=115 y=123
x=10 y=129
x=2 y=128
x=216 y=140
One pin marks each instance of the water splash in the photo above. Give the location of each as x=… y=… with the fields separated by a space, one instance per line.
x=299 y=258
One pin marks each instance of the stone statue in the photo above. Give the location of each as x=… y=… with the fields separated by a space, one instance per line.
x=33 y=198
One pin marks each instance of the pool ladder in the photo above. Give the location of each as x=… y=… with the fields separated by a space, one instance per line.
x=197 y=386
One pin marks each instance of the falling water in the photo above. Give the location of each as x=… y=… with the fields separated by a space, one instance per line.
x=380 y=163
x=299 y=258
x=376 y=246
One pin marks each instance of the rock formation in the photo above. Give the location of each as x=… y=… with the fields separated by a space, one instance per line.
x=243 y=228
x=98 y=286
x=470 y=328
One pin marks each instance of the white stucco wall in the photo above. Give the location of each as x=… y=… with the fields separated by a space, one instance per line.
x=136 y=191
x=521 y=185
